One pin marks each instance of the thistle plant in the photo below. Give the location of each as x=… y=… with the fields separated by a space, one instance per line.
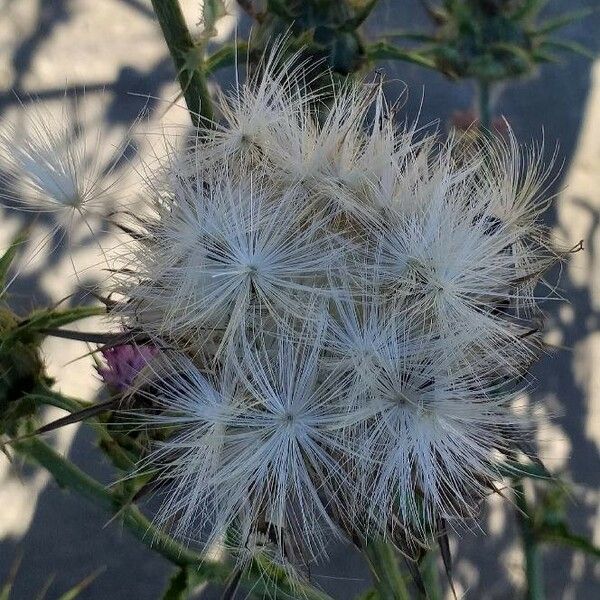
x=320 y=325
x=492 y=41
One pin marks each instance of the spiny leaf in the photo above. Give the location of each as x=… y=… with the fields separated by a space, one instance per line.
x=8 y=257
x=569 y=47
x=529 y=8
x=517 y=470
x=386 y=51
x=107 y=340
x=212 y=11
x=44 y=591
x=48 y=319
x=511 y=49
x=153 y=484
x=429 y=571
x=415 y=574
x=561 y=21
x=78 y=416
x=75 y=417
x=5 y=591
x=415 y=36
x=44 y=395
x=225 y=57
x=530 y=452
x=120 y=457
x=539 y=56
x=177 y=588
x=82 y=585
x=560 y=534
x=438 y=14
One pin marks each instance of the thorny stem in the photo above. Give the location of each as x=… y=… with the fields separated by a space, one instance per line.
x=70 y=477
x=192 y=80
x=387 y=576
x=533 y=562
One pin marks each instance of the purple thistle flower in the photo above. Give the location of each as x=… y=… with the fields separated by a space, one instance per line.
x=123 y=363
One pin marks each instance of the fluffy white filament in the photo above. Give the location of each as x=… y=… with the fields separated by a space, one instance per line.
x=49 y=165
x=344 y=310
x=367 y=301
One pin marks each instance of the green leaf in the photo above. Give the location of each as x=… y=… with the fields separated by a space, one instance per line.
x=516 y=51
x=8 y=257
x=539 y=56
x=52 y=319
x=224 y=57
x=57 y=318
x=517 y=470
x=81 y=586
x=385 y=568
x=529 y=9
x=561 y=21
x=568 y=46
x=178 y=586
x=275 y=582
x=529 y=541
x=93 y=410
x=212 y=11
x=45 y=395
x=122 y=458
x=41 y=595
x=560 y=534
x=385 y=51
x=431 y=578
x=5 y=591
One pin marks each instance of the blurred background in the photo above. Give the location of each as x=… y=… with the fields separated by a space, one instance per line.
x=112 y=56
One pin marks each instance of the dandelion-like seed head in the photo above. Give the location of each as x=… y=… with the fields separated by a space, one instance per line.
x=49 y=164
x=221 y=251
x=346 y=313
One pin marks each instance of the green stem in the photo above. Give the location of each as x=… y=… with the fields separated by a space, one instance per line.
x=192 y=80
x=387 y=575
x=70 y=477
x=485 y=108
x=431 y=577
x=533 y=562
